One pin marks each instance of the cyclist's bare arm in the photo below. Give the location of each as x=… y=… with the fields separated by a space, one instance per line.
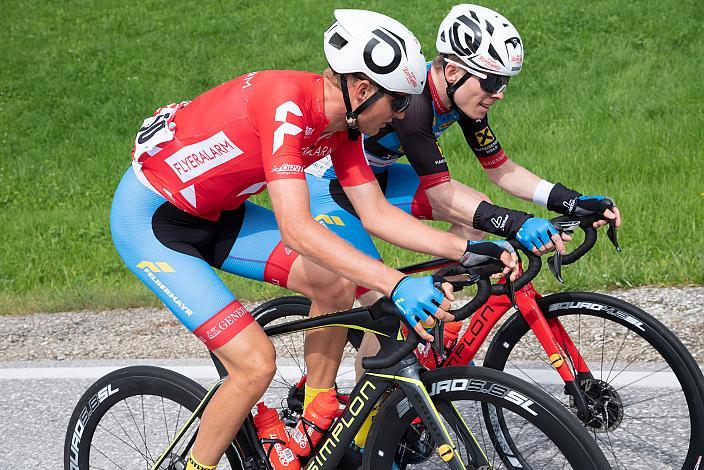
x=384 y=220
x=455 y=201
x=514 y=179
x=517 y=180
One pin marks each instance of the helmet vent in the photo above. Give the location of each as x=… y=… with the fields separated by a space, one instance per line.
x=489 y=28
x=494 y=54
x=337 y=41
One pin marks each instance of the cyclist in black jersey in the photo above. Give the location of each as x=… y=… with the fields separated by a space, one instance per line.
x=479 y=51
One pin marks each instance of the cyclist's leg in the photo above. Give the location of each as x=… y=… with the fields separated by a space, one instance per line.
x=254 y=249
x=166 y=259
x=328 y=291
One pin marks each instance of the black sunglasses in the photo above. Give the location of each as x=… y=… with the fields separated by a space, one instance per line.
x=400 y=102
x=493 y=83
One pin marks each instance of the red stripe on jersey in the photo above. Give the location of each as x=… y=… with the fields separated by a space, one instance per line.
x=428 y=181
x=439 y=106
x=278 y=265
x=493 y=161
x=224 y=325
x=420 y=207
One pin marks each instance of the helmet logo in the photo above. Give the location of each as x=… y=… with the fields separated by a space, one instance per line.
x=467 y=45
x=369 y=48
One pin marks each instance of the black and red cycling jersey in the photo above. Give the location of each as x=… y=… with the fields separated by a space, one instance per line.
x=416 y=137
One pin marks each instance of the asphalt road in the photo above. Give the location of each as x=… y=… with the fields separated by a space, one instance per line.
x=37 y=400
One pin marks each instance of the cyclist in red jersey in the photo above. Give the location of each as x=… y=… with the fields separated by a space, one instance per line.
x=182 y=209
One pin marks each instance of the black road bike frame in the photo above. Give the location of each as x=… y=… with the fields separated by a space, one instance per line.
x=394 y=366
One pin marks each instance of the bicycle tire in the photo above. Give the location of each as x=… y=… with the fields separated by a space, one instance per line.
x=497 y=389
x=106 y=395
x=637 y=324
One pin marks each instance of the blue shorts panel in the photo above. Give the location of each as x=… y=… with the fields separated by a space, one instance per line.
x=186 y=284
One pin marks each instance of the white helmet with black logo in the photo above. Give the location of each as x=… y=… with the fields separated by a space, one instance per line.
x=484 y=40
x=380 y=47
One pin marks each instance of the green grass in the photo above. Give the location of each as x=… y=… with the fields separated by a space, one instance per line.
x=610 y=101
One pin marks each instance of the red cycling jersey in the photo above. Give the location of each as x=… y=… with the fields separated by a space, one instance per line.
x=212 y=153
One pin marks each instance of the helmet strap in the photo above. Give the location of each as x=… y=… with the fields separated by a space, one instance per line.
x=351 y=116
x=452 y=88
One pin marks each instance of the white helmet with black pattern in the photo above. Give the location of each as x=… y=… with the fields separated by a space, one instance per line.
x=380 y=47
x=485 y=41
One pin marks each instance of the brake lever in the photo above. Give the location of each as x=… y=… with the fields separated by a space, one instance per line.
x=611 y=232
x=438 y=333
x=555 y=266
x=510 y=290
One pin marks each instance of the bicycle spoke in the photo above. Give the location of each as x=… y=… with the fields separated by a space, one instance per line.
x=649 y=444
x=144 y=428
x=163 y=410
x=134 y=445
x=135 y=423
x=613 y=364
x=642 y=378
x=111 y=460
x=603 y=336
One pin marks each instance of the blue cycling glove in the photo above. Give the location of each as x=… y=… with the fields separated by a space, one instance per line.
x=416 y=298
x=535 y=232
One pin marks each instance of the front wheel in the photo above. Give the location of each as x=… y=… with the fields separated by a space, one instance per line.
x=129 y=417
x=643 y=388
x=536 y=432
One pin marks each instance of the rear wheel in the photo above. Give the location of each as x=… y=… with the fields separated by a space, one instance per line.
x=129 y=417
x=535 y=432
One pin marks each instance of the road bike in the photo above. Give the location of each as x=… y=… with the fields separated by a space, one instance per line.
x=458 y=417
x=624 y=374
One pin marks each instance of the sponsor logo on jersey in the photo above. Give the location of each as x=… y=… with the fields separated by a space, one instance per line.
x=309 y=131
x=226 y=322
x=286 y=128
x=193 y=160
x=493 y=161
x=248 y=80
x=287 y=169
x=485 y=137
x=317 y=151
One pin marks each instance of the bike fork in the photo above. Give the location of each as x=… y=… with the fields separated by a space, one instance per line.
x=548 y=334
x=410 y=383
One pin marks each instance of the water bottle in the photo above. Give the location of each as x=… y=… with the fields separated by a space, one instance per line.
x=316 y=419
x=274 y=438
